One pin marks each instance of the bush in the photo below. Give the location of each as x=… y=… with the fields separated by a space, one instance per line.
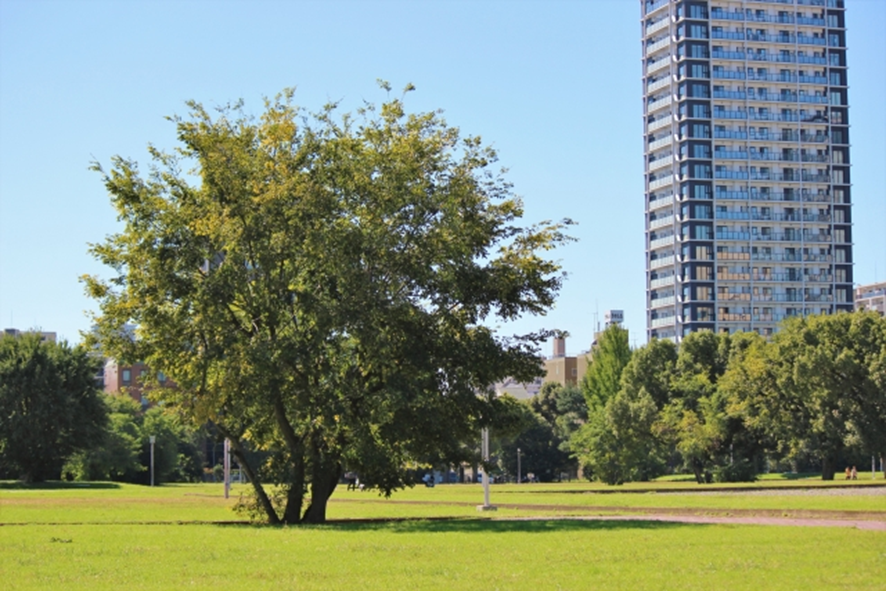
x=740 y=471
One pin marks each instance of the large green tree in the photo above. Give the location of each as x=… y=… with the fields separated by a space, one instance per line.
x=824 y=380
x=50 y=407
x=323 y=291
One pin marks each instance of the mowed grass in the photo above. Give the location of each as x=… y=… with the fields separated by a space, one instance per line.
x=477 y=554
x=108 y=536
x=124 y=503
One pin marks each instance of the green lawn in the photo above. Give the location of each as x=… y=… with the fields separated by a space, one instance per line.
x=125 y=536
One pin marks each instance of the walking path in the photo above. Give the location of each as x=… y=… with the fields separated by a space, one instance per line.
x=867 y=520
x=708 y=519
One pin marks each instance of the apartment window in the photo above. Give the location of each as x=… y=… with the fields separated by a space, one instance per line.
x=698 y=31
x=127 y=376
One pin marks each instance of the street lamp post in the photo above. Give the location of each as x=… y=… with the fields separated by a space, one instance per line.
x=153 y=440
x=227 y=466
x=519 y=479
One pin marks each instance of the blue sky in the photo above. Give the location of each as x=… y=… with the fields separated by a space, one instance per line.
x=554 y=86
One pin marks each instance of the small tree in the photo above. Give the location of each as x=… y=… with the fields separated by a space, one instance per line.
x=608 y=358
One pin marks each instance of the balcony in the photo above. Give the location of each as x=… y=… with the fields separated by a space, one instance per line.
x=660 y=103
x=730 y=155
x=733 y=317
x=661 y=202
x=658 y=84
x=733 y=276
x=659 y=242
x=771 y=217
x=659 y=163
x=660 y=143
x=662 y=282
x=729 y=75
x=661 y=222
x=663 y=321
x=744 y=236
x=659 y=123
x=662 y=182
x=658 y=45
x=653 y=6
x=726 y=114
x=736 y=36
x=773 y=196
x=792 y=237
x=656 y=65
x=662 y=302
x=662 y=262
x=729 y=134
x=658 y=25
x=771 y=176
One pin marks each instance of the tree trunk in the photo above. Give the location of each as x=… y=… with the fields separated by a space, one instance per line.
x=325 y=479
x=828 y=468
x=326 y=469
x=697 y=469
x=296 y=494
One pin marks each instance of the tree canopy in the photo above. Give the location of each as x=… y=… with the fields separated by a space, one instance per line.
x=724 y=405
x=50 y=407
x=324 y=291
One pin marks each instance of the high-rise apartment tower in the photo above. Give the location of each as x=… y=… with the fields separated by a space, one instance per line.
x=748 y=208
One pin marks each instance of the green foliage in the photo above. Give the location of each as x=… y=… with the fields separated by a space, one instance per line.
x=322 y=295
x=651 y=369
x=541 y=447
x=741 y=471
x=123 y=454
x=822 y=388
x=608 y=358
x=562 y=407
x=618 y=444
x=49 y=406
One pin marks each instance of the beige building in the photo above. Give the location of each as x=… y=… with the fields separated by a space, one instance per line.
x=564 y=369
x=871 y=297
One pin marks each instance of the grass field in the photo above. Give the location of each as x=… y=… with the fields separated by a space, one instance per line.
x=123 y=536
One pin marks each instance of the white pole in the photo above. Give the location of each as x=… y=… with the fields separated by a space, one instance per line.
x=153 y=440
x=519 y=480
x=227 y=465
x=485 y=471
x=484 y=451
x=873 y=467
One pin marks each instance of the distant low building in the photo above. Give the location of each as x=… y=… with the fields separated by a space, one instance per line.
x=871 y=297
x=519 y=390
x=46 y=337
x=564 y=369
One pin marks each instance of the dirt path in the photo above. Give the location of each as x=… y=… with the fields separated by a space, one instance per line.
x=709 y=519
x=870 y=520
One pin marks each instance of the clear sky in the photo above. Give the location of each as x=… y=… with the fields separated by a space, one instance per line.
x=555 y=86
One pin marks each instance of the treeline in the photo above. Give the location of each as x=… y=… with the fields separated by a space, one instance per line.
x=724 y=407
x=55 y=423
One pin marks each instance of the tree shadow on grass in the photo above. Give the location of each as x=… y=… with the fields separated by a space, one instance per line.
x=486 y=526
x=56 y=485
x=542 y=526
